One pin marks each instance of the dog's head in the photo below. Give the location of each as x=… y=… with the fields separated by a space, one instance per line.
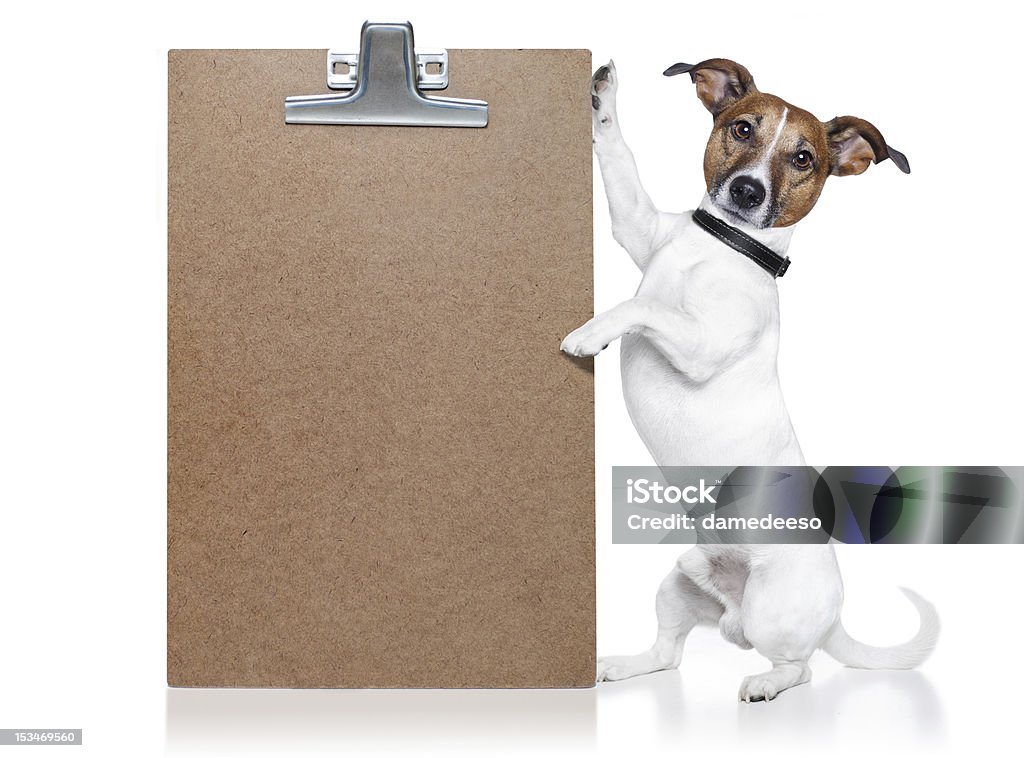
x=767 y=160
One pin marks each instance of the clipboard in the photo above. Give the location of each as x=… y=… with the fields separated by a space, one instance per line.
x=380 y=467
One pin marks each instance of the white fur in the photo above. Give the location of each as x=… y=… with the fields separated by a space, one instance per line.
x=699 y=347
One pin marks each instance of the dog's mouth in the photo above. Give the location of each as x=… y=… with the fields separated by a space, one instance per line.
x=760 y=217
x=733 y=214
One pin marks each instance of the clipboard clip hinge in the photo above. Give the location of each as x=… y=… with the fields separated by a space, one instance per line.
x=431 y=69
x=385 y=80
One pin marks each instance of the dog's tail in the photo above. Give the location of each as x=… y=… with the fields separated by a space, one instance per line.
x=914 y=652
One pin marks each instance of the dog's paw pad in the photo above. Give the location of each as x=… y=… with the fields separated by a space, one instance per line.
x=603 y=79
x=602 y=94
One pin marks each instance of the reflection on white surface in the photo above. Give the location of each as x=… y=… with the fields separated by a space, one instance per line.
x=853 y=705
x=844 y=711
x=286 y=721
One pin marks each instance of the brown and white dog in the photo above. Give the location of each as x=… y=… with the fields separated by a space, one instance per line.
x=699 y=350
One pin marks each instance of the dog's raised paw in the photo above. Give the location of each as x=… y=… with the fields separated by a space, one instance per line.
x=602 y=94
x=583 y=342
x=603 y=78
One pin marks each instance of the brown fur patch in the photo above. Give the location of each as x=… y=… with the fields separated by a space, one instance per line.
x=855 y=145
x=793 y=191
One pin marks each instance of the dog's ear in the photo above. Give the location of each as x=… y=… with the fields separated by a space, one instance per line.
x=855 y=144
x=719 y=81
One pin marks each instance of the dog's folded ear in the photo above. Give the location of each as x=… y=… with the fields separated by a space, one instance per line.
x=856 y=144
x=719 y=81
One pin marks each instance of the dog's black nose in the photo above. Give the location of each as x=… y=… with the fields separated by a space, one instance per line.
x=746 y=192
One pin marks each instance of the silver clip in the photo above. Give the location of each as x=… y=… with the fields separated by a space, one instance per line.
x=431 y=69
x=386 y=80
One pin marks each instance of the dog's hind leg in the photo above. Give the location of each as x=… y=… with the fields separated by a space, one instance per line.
x=786 y=618
x=636 y=224
x=681 y=605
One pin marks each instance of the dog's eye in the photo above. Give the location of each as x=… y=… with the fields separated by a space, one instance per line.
x=742 y=130
x=803 y=160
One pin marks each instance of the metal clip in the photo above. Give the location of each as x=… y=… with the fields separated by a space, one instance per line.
x=431 y=69
x=385 y=79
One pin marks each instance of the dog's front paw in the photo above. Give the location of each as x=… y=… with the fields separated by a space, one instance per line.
x=603 y=86
x=583 y=342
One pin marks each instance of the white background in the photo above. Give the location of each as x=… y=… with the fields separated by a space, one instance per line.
x=900 y=346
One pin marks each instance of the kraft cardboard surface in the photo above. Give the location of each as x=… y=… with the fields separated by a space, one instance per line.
x=380 y=467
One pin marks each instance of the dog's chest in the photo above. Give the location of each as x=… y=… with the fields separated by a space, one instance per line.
x=665 y=278
x=693 y=271
x=737 y=413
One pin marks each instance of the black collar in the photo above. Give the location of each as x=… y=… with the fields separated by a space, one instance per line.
x=742 y=242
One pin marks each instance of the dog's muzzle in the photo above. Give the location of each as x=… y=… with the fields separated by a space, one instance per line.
x=746 y=192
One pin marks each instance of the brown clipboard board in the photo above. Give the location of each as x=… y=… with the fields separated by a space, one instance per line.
x=380 y=468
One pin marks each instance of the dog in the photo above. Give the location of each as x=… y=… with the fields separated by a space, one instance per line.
x=699 y=351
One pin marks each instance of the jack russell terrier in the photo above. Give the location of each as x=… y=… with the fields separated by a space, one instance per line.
x=699 y=349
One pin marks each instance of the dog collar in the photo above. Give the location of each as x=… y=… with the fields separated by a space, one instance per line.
x=742 y=242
